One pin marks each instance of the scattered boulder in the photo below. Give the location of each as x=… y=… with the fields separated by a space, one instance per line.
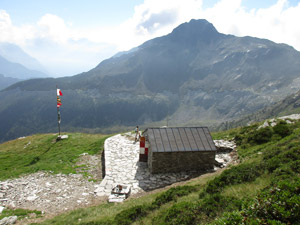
x=9 y=220
x=224 y=145
x=273 y=122
x=47 y=192
x=226 y=153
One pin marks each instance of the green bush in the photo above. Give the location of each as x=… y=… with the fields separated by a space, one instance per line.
x=216 y=203
x=282 y=129
x=128 y=216
x=192 y=213
x=99 y=222
x=252 y=135
x=278 y=203
x=235 y=175
x=277 y=157
x=20 y=213
x=260 y=136
x=172 y=194
x=230 y=218
x=184 y=213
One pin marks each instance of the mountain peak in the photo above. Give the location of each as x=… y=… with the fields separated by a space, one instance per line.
x=195 y=30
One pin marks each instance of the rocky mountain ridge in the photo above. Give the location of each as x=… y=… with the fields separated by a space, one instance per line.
x=192 y=76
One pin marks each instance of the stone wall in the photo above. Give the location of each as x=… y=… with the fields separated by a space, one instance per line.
x=166 y=162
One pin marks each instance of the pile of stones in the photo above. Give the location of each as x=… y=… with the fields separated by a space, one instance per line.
x=47 y=192
x=274 y=121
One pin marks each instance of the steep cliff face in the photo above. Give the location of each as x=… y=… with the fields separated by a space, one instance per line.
x=191 y=75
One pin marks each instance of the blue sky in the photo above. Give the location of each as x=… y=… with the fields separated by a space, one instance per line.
x=94 y=12
x=80 y=12
x=72 y=36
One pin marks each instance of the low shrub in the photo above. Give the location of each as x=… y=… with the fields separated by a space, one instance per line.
x=99 y=222
x=217 y=203
x=282 y=129
x=20 y=213
x=278 y=203
x=172 y=194
x=230 y=218
x=277 y=157
x=235 y=175
x=128 y=216
x=184 y=213
x=252 y=136
x=260 y=136
x=192 y=213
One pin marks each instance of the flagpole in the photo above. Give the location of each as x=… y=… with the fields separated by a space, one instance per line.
x=58 y=116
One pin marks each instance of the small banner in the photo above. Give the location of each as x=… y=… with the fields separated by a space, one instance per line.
x=58 y=102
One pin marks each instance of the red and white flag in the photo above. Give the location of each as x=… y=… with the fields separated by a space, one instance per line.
x=59 y=93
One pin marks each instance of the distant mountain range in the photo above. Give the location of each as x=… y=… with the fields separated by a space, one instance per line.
x=16 y=65
x=194 y=75
x=7 y=81
x=15 y=54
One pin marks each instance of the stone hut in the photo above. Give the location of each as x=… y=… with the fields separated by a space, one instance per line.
x=179 y=149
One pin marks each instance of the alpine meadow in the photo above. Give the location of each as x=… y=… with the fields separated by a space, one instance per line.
x=149 y=112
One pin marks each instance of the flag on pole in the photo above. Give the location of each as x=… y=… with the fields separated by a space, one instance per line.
x=59 y=93
x=58 y=102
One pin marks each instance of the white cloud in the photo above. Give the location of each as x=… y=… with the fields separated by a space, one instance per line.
x=13 y=34
x=278 y=22
x=154 y=18
x=55 y=41
x=53 y=27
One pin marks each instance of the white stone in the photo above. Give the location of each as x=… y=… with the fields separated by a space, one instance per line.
x=273 y=122
x=1 y=209
x=9 y=220
x=293 y=117
x=32 y=198
x=83 y=154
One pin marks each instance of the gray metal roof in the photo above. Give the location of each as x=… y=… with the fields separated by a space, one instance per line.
x=180 y=139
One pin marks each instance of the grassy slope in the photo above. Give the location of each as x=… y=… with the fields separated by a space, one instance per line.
x=41 y=152
x=263 y=189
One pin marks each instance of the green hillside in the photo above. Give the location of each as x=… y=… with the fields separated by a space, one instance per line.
x=42 y=152
x=263 y=189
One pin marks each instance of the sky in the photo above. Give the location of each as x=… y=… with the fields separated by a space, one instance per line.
x=72 y=36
